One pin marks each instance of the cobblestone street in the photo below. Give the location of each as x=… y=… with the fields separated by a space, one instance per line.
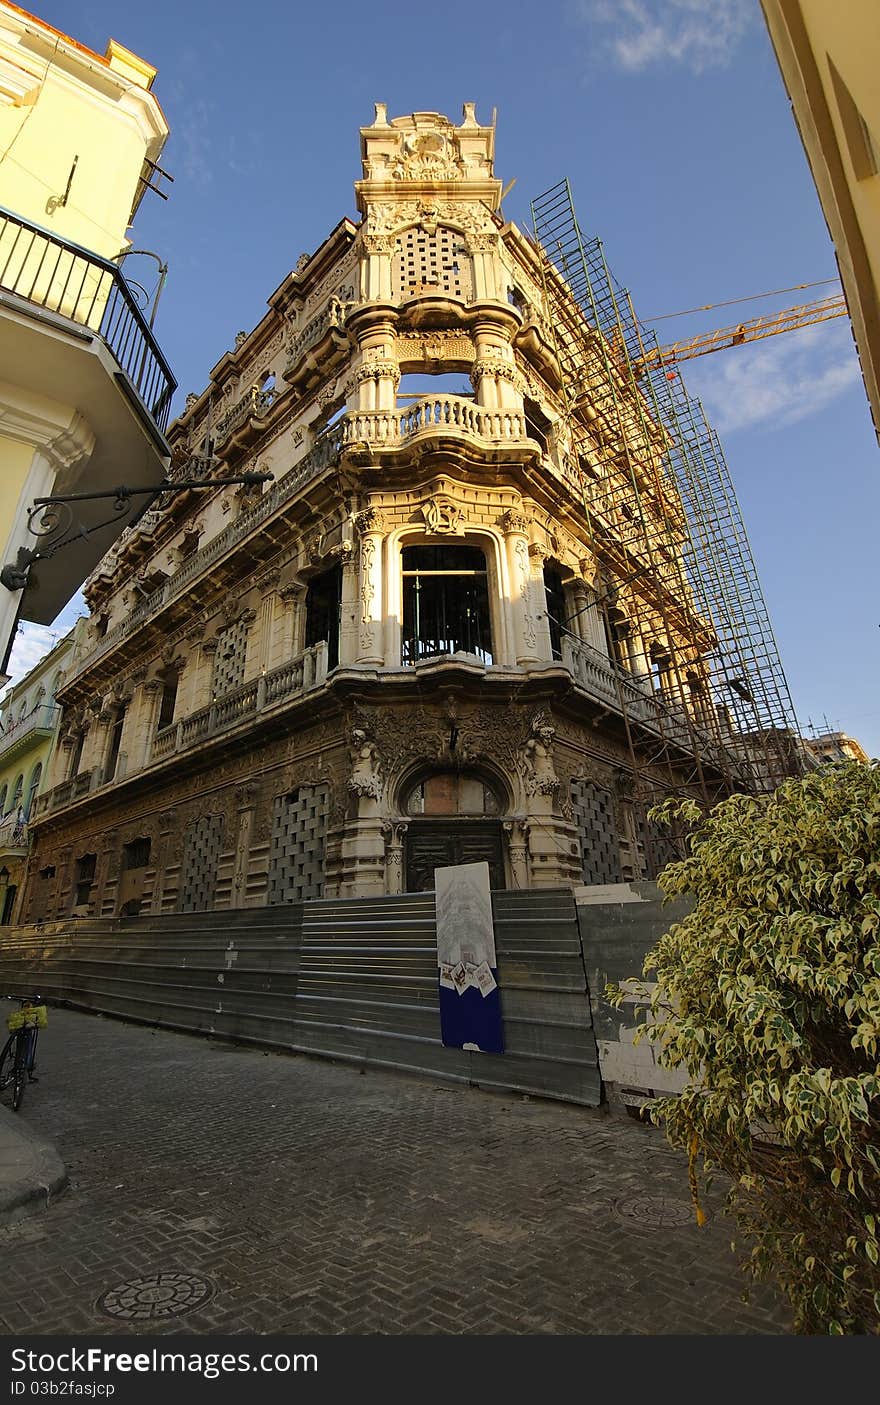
x=279 y=1194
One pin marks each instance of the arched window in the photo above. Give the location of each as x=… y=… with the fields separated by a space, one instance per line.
x=452 y=793
x=445 y=603
x=16 y=794
x=3 y=793
x=34 y=786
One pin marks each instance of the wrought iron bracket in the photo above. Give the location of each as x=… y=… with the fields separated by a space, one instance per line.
x=53 y=519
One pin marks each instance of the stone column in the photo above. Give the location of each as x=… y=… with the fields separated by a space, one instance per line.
x=151 y=694
x=589 y=622
x=521 y=604
x=203 y=682
x=537 y=556
x=292 y=598
x=349 y=608
x=167 y=820
x=517 y=832
x=395 y=837
x=371 y=527
x=246 y=801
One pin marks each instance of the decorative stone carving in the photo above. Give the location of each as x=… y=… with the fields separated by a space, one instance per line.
x=443 y=516
x=426 y=156
x=301 y=262
x=498 y=368
x=240 y=339
x=191 y=399
x=342 y=554
x=539 y=553
x=513 y=521
x=537 y=766
x=377 y=370
x=314 y=548
x=364 y=779
x=370 y=520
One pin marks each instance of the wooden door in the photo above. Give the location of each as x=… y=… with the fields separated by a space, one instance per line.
x=434 y=844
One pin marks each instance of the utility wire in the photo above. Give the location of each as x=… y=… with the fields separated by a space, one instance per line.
x=755 y=297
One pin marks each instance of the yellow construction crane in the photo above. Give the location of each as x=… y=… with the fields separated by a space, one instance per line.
x=755 y=330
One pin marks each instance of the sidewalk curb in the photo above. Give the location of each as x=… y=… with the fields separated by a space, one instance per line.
x=31 y=1170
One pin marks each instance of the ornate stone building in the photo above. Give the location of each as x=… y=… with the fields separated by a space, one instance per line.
x=412 y=647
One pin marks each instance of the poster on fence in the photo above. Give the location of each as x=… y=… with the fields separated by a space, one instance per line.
x=470 y=1003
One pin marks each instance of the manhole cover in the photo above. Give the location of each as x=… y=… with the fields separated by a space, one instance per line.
x=654 y=1211
x=156 y=1295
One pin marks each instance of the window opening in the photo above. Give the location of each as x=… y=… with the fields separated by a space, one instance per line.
x=556 y=609
x=323 y=607
x=168 y=702
x=136 y=854
x=85 y=877
x=32 y=789
x=115 y=741
x=445 y=603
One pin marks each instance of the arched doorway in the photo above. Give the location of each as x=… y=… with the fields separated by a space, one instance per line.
x=454 y=818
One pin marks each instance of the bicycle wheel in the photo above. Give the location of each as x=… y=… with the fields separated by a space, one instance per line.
x=6 y=1061
x=19 y=1070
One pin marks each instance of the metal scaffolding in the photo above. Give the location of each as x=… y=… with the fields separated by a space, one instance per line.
x=701 y=685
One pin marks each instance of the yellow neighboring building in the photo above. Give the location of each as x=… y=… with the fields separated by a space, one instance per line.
x=84 y=388
x=28 y=723
x=828 y=56
x=837 y=746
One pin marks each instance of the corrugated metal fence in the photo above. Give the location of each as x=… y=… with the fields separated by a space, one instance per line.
x=353 y=979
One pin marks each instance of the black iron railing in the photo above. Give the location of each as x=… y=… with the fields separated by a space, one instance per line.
x=66 y=279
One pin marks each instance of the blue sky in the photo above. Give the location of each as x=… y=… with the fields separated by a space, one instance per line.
x=671 y=122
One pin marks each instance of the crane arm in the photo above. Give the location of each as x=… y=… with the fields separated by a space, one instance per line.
x=755 y=330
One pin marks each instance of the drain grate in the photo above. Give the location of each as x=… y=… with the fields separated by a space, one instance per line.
x=155 y=1296
x=654 y=1211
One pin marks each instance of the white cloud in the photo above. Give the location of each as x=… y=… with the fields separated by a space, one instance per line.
x=782 y=380
x=697 y=34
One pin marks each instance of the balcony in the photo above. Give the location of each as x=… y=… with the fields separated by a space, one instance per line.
x=254 y=406
x=620 y=691
x=434 y=416
x=63 y=278
x=13 y=836
x=74 y=343
x=265 y=695
x=21 y=734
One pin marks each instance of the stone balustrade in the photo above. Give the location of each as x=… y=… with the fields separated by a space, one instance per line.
x=333 y=315
x=293 y=678
x=255 y=403
x=445 y=412
x=608 y=683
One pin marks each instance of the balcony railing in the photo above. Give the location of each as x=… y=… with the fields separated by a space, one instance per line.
x=75 y=283
x=295 y=677
x=608 y=683
x=255 y=403
x=40 y=719
x=441 y=412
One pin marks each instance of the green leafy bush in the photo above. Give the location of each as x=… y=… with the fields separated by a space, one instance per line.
x=768 y=995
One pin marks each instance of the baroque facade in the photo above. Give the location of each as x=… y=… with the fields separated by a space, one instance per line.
x=408 y=648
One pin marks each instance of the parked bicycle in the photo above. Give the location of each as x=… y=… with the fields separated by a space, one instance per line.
x=20 y=1050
